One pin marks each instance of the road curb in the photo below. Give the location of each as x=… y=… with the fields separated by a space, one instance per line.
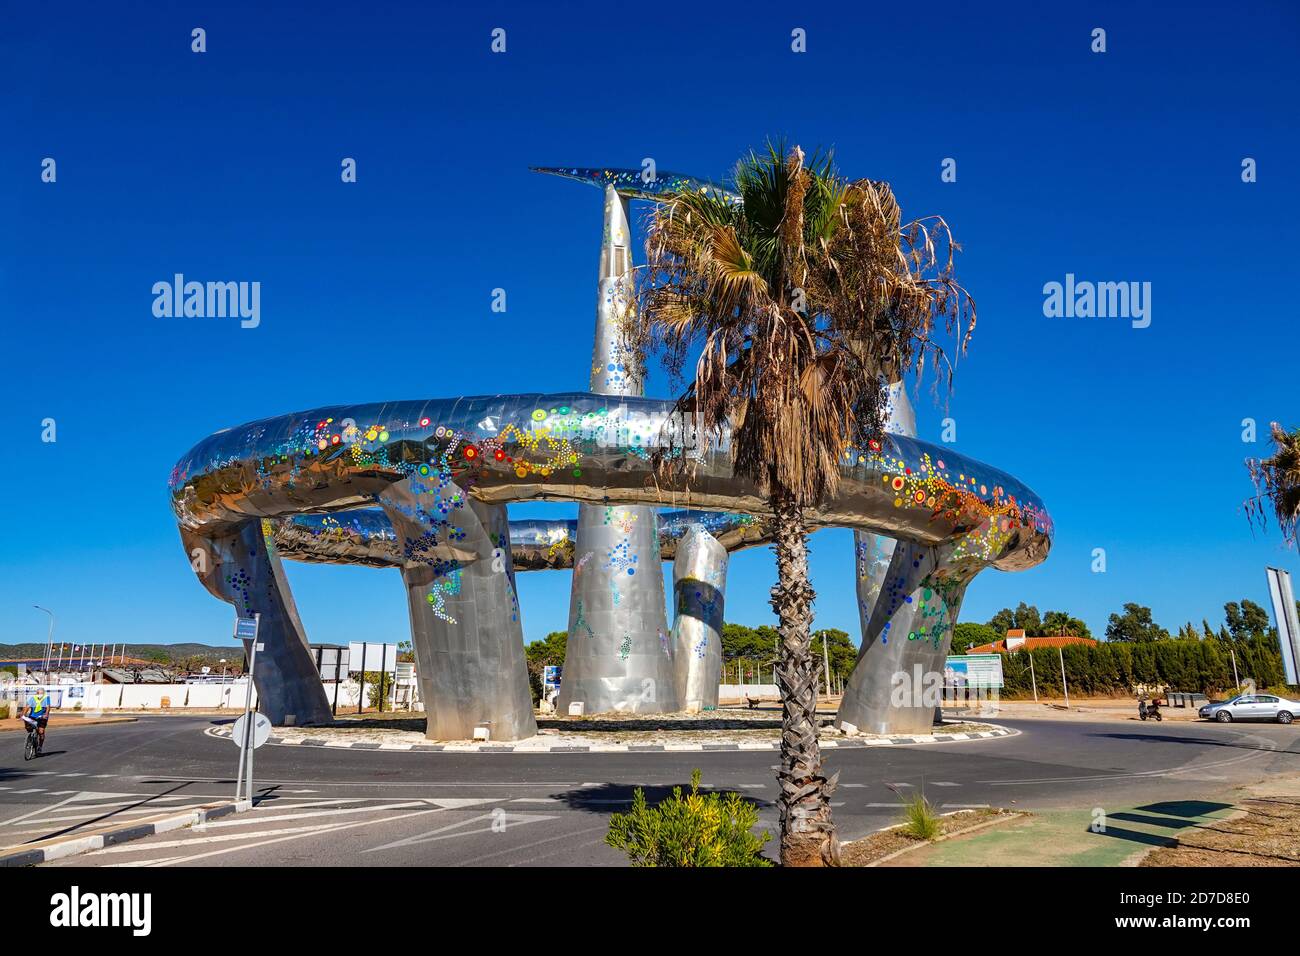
x=46 y=850
x=828 y=743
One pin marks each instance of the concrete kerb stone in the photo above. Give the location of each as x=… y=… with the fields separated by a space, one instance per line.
x=842 y=743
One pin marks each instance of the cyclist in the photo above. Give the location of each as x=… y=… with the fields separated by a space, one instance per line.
x=38 y=709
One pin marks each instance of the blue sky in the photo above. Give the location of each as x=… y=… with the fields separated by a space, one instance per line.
x=1121 y=166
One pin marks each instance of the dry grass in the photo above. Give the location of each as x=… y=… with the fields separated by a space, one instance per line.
x=1267 y=834
x=877 y=846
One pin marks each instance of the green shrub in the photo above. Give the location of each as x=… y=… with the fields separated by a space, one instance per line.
x=922 y=821
x=378 y=687
x=710 y=829
x=5 y=710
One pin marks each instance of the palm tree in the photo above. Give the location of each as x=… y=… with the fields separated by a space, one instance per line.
x=802 y=295
x=1277 y=483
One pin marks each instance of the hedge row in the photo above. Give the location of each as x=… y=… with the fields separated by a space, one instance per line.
x=1112 y=668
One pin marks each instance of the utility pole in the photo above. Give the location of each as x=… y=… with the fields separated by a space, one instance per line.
x=826 y=662
x=1032 y=680
x=1236 y=681
x=1061 y=655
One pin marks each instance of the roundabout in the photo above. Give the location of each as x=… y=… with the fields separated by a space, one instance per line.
x=656 y=736
x=351 y=806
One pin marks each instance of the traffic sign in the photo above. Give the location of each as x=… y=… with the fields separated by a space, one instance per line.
x=261 y=730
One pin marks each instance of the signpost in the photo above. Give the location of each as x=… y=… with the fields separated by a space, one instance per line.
x=973 y=670
x=260 y=732
x=245 y=730
x=551 y=678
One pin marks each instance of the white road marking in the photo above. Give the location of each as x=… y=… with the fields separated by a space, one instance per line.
x=219 y=838
x=945 y=783
x=498 y=824
x=456 y=803
x=297 y=836
x=32 y=813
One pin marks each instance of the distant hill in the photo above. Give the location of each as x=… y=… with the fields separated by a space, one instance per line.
x=172 y=653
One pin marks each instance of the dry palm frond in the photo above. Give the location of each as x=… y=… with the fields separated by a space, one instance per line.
x=1277 y=484
x=803 y=298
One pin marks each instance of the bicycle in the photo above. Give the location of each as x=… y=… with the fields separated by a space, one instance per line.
x=32 y=748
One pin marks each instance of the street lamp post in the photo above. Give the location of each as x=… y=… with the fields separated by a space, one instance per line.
x=49 y=641
x=222 y=662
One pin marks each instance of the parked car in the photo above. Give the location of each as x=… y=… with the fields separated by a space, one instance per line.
x=1251 y=707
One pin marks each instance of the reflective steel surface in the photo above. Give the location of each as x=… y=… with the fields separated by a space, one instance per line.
x=365 y=536
x=617 y=657
x=576 y=446
x=699 y=589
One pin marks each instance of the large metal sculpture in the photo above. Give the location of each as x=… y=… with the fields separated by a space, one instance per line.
x=579 y=447
x=617 y=657
x=306 y=487
x=365 y=536
x=908 y=598
x=699 y=589
x=237 y=562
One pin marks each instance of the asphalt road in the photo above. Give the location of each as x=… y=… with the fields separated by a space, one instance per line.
x=340 y=807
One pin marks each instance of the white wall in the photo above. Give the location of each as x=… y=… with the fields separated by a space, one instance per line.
x=96 y=697
x=736 y=691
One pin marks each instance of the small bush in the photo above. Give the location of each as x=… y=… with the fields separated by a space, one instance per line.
x=5 y=713
x=922 y=821
x=709 y=829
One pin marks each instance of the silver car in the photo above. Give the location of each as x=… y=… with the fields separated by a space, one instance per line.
x=1251 y=707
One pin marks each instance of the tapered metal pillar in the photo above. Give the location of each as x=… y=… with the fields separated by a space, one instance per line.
x=896 y=683
x=699 y=588
x=242 y=568
x=618 y=656
x=465 y=621
x=873 y=551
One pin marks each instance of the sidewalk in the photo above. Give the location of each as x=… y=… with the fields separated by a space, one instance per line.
x=1126 y=836
x=1054 y=709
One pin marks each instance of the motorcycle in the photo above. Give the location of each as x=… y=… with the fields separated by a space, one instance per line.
x=1146 y=710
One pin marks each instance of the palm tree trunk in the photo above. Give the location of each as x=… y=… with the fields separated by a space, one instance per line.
x=807 y=832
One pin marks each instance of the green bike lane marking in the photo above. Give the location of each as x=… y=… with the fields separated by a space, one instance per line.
x=1066 y=837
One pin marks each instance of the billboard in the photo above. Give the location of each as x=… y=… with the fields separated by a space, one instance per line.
x=374 y=656
x=973 y=670
x=551 y=678
x=333 y=663
x=1284 y=613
